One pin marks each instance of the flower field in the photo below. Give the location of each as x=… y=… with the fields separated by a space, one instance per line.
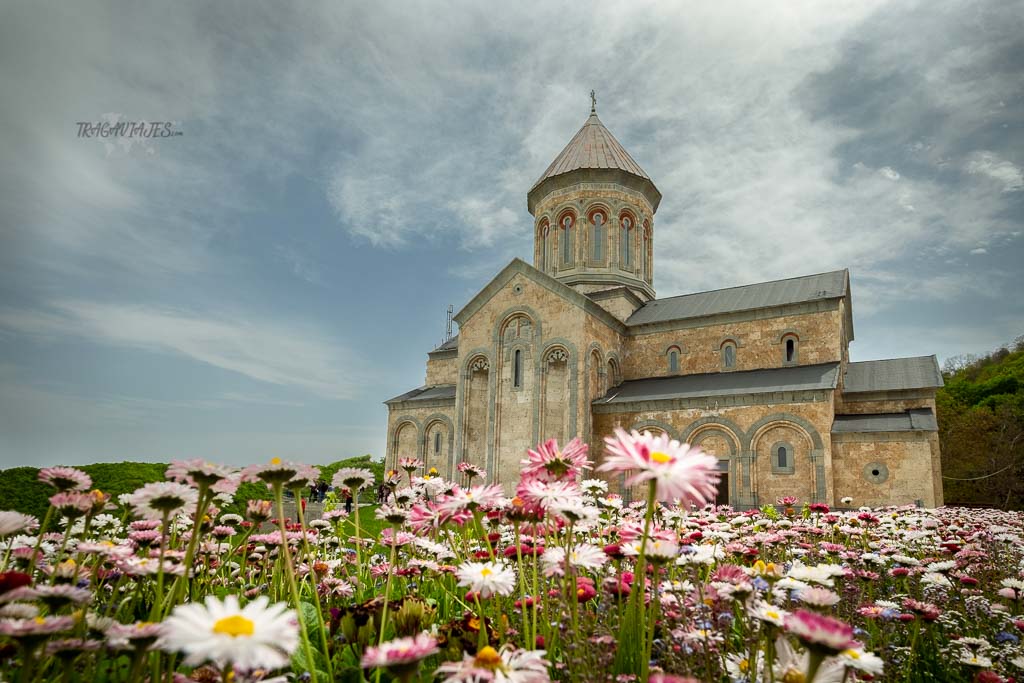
x=557 y=581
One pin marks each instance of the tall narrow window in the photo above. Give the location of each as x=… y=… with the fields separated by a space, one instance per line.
x=597 y=235
x=643 y=256
x=437 y=443
x=567 y=241
x=543 y=248
x=729 y=355
x=782 y=457
x=673 y=361
x=626 y=239
x=790 y=350
x=517 y=368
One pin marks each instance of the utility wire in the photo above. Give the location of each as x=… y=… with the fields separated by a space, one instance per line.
x=984 y=476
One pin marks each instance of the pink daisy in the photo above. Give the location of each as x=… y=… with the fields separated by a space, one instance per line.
x=65 y=478
x=678 y=470
x=548 y=463
x=819 y=632
x=401 y=655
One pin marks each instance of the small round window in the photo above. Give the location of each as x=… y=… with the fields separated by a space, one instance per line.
x=876 y=472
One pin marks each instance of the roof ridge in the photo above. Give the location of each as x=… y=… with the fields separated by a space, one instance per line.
x=750 y=284
x=881 y=360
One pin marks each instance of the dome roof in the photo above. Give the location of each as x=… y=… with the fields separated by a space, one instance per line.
x=596 y=150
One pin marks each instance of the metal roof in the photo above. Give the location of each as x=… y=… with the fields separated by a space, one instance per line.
x=425 y=393
x=892 y=374
x=918 y=419
x=761 y=295
x=592 y=147
x=449 y=345
x=798 y=378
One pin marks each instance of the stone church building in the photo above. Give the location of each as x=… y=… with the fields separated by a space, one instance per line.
x=578 y=344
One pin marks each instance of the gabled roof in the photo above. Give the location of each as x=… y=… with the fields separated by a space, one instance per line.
x=916 y=420
x=893 y=374
x=519 y=267
x=830 y=285
x=425 y=393
x=796 y=378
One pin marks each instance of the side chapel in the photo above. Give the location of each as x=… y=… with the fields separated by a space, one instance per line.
x=577 y=344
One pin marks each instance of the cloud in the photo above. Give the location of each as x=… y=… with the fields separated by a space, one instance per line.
x=268 y=351
x=1007 y=174
x=979 y=250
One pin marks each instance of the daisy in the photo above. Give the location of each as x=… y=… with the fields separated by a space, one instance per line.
x=222 y=633
x=487 y=578
x=508 y=665
x=583 y=556
x=816 y=596
x=65 y=478
x=410 y=465
x=819 y=632
x=220 y=478
x=548 y=463
x=12 y=522
x=36 y=627
x=548 y=493
x=868 y=662
x=679 y=471
x=163 y=498
x=401 y=656
x=353 y=478
x=72 y=504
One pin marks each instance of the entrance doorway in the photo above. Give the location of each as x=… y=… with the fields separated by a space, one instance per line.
x=722 y=498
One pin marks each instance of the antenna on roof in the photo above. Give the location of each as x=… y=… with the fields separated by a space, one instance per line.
x=448 y=325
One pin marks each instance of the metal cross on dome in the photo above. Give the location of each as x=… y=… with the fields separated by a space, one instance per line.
x=593 y=102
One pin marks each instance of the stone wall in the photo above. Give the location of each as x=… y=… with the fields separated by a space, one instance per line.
x=411 y=430
x=745 y=436
x=887 y=468
x=442 y=369
x=759 y=345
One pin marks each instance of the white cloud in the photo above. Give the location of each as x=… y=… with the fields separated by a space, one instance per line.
x=1004 y=172
x=268 y=351
x=979 y=250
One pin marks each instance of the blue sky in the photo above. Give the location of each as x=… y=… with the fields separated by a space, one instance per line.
x=260 y=284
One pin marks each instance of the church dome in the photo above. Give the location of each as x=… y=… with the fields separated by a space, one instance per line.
x=593 y=154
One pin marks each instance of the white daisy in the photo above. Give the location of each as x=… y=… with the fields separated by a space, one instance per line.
x=222 y=633
x=487 y=578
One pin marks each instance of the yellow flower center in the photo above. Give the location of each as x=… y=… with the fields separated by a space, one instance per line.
x=275 y=461
x=488 y=658
x=660 y=458
x=852 y=654
x=40 y=620
x=744 y=666
x=234 y=626
x=485 y=572
x=143 y=624
x=794 y=676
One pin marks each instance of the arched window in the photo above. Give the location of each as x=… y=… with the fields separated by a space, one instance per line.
x=783 y=458
x=644 y=257
x=517 y=368
x=673 y=360
x=437 y=443
x=790 y=345
x=567 y=239
x=626 y=241
x=597 y=220
x=728 y=355
x=543 y=248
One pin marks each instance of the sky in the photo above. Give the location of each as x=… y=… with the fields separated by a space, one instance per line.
x=257 y=283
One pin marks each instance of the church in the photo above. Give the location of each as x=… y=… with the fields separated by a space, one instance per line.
x=577 y=344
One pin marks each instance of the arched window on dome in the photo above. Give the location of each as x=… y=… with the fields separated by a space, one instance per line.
x=597 y=221
x=567 y=239
x=644 y=254
x=542 y=262
x=626 y=241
